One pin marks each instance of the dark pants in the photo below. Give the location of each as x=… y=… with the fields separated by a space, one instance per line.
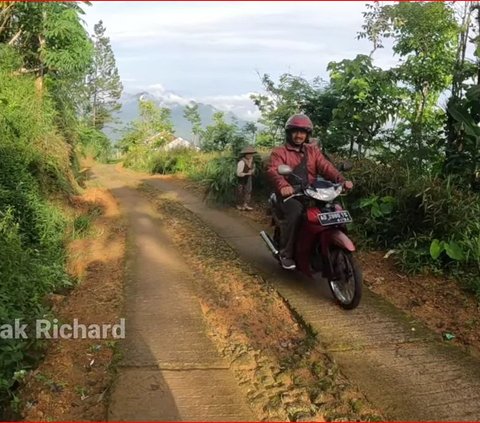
x=292 y=212
x=244 y=191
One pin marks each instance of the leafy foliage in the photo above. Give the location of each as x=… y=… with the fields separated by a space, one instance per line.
x=366 y=100
x=222 y=135
x=192 y=114
x=221 y=179
x=146 y=135
x=282 y=100
x=419 y=214
x=45 y=53
x=425 y=38
x=178 y=160
x=464 y=154
x=34 y=160
x=94 y=143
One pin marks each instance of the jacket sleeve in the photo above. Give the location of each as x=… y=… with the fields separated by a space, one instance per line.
x=326 y=169
x=278 y=181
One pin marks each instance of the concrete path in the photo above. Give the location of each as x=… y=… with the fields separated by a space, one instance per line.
x=170 y=370
x=399 y=365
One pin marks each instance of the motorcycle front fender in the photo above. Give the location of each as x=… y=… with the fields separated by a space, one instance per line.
x=338 y=238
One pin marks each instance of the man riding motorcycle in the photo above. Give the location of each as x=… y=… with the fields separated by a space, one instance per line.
x=307 y=162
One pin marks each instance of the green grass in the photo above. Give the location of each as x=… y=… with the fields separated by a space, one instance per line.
x=35 y=165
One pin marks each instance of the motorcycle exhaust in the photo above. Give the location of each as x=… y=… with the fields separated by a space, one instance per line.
x=269 y=243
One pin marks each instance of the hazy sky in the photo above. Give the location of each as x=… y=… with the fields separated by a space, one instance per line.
x=214 y=51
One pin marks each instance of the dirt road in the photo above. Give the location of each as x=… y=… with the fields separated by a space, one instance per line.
x=170 y=370
x=402 y=368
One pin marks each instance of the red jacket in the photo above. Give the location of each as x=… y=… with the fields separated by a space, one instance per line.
x=317 y=164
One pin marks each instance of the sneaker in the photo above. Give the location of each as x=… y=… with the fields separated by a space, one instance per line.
x=247 y=207
x=240 y=208
x=287 y=263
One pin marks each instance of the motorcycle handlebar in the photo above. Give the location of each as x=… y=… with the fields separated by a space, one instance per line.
x=297 y=191
x=298 y=194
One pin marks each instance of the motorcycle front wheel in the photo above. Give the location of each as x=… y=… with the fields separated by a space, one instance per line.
x=346 y=280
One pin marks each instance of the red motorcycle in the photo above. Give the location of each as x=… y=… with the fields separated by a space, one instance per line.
x=322 y=244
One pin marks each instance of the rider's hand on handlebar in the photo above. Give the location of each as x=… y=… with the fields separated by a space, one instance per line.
x=287 y=191
x=347 y=185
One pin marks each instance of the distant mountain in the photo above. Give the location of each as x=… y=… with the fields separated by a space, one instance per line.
x=175 y=103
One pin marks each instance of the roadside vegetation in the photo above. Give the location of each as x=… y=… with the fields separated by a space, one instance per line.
x=412 y=132
x=50 y=102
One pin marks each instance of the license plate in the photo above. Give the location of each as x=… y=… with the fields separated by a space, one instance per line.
x=334 y=218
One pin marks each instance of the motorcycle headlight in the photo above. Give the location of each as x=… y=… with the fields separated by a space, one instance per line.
x=324 y=194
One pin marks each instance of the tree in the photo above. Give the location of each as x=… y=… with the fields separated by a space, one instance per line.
x=103 y=81
x=193 y=116
x=55 y=48
x=49 y=36
x=250 y=130
x=376 y=26
x=463 y=119
x=280 y=102
x=366 y=99
x=461 y=107
x=221 y=135
x=151 y=130
x=425 y=38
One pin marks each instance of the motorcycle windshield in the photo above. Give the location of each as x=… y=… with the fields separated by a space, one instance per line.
x=324 y=194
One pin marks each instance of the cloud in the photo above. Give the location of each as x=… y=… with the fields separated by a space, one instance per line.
x=241 y=105
x=203 y=49
x=150 y=24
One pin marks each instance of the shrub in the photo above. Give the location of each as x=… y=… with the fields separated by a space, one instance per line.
x=396 y=207
x=94 y=143
x=221 y=180
x=139 y=158
x=172 y=161
x=34 y=161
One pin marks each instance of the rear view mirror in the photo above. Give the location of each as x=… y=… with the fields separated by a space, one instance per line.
x=284 y=170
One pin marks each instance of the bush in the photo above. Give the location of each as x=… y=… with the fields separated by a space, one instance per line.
x=34 y=161
x=396 y=207
x=94 y=143
x=27 y=121
x=221 y=179
x=172 y=161
x=31 y=262
x=139 y=157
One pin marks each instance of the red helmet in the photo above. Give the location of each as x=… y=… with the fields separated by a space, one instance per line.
x=299 y=121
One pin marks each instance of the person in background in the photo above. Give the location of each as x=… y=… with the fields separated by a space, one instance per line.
x=245 y=171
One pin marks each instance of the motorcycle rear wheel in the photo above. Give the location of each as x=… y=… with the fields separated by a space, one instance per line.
x=346 y=284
